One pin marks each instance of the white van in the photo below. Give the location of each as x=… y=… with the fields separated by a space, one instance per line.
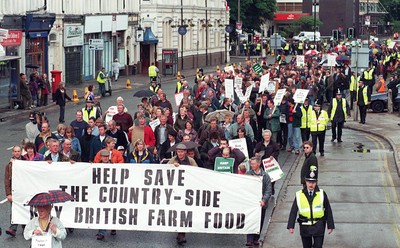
x=308 y=35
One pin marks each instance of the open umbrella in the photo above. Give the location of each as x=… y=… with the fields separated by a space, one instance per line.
x=311 y=53
x=219 y=114
x=342 y=59
x=53 y=196
x=144 y=93
x=189 y=145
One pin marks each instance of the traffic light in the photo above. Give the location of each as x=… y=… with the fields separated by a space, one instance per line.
x=335 y=34
x=350 y=33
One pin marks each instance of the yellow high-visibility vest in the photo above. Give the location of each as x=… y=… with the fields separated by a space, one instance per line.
x=306 y=116
x=318 y=210
x=300 y=47
x=152 y=71
x=334 y=106
x=101 y=78
x=365 y=94
x=353 y=82
x=318 y=124
x=87 y=115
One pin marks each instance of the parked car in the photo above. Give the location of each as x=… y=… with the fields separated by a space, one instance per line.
x=379 y=102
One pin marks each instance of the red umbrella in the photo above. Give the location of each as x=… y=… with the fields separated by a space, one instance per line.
x=311 y=53
x=54 y=196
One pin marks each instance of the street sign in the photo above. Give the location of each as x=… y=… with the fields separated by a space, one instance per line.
x=3 y=33
x=275 y=41
x=96 y=44
x=182 y=30
x=228 y=29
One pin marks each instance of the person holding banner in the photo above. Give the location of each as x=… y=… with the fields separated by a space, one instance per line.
x=255 y=170
x=45 y=224
x=234 y=153
x=182 y=158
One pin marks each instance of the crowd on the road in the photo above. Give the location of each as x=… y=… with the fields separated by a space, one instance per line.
x=206 y=121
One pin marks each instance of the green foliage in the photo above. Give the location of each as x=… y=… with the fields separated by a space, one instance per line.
x=253 y=13
x=305 y=23
x=393 y=7
x=396 y=26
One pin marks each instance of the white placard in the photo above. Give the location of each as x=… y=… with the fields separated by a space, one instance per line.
x=248 y=91
x=229 y=68
x=331 y=60
x=238 y=82
x=41 y=241
x=229 y=90
x=264 y=83
x=271 y=166
x=241 y=145
x=300 y=60
x=300 y=95
x=279 y=96
x=146 y=197
x=112 y=110
x=178 y=98
x=154 y=124
x=271 y=87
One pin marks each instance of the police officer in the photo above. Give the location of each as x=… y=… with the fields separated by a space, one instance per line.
x=338 y=111
x=363 y=98
x=101 y=80
x=315 y=213
x=306 y=110
x=318 y=122
x=153 y=70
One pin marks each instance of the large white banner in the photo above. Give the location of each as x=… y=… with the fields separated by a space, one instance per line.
x=151 y=197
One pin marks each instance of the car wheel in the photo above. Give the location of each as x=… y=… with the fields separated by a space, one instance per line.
x=378 y=106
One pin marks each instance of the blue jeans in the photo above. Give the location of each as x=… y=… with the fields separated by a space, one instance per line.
x=62 y=113
x=102 y=89
x=294 y=136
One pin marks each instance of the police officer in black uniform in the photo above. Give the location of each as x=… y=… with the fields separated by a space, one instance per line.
x=315 y=212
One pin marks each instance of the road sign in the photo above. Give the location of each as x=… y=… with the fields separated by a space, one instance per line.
x=182 y=30
x=96 y=44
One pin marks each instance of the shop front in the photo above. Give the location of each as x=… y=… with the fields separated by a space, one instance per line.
x=73 y=48
x=9 y=81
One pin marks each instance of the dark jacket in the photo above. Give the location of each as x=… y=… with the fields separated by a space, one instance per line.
x=86 y=143
x=134 y=157
x=61 y=98
x=121 y=138
x=8 y=178
x=157 y=133
x=317 y=229
x=96 y=146
x=266 y=186
x=272 y=149
x=308 y=161
x=164 y=148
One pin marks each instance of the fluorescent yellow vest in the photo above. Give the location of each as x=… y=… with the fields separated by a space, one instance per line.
x=365 y=94
x=152 y=71
x=334 y=106
x=101 y=80
x=353 y=83
x=306 y=116
x=87 y=115
x=305 y=209
x=320 y=123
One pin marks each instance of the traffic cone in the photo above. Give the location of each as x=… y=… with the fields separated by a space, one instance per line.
x=128 y=84
x=218 y=68
x=86 y=91
x=75 y=97
x=178 y=75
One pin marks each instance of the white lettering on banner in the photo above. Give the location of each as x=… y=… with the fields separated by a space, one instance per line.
x=151 y=197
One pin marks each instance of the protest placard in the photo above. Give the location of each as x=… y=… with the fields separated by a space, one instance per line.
x=146 y=197
x=300 y=95
x=229 y=89
x=238 y=82
x=224 y=164
x=300 y=60
x=264 y=83
x=154 y=124
x=241 y=145
x=271 y=166
x=178 y=98
x=279 y=96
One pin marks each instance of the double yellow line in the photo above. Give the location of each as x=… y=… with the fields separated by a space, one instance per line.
x=389 y=188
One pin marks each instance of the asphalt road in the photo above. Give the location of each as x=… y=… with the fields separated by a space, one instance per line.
x=13 y=131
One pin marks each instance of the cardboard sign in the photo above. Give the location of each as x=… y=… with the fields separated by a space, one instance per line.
x=154 y=124
x=41 y=241
x=224 y=164
x=241 y=145
x=257 y=69
x=271 y=166
x=332 y=60
x=229 y=90
x=272 y=87
x=300 y=95
x=178 y=98
x=248 y=91
x=229 y=68
x=279 y=96
x=238 y=82
x=300 y=60
x=264 y=83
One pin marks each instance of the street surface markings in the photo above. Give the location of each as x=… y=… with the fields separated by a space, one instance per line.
x=389 y=188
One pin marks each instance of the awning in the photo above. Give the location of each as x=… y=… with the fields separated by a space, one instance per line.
x=149 y=37
x=8 y=58
x=38 y=34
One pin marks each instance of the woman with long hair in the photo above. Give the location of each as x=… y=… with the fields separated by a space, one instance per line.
x=140 y=154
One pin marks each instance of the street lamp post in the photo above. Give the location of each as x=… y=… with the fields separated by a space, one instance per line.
x=315 y=19
x=238 y=20
x=206 y=35
x=181 y=35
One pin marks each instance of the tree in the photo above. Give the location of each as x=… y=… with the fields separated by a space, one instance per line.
x=305 y=23
x=253 y=13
